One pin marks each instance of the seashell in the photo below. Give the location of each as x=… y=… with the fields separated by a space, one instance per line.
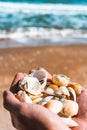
x=54 y=106
x=37 y=100
x=60 y=80
x=34 y=97
x=23 y=97
x=77 y=87
x=49 y=91
x=69 y=121
x=45 y=100
x=41 y=75
x=30 y=85
x=72 y=94
x=53 y=86
x=70 y=108
x=62 y=91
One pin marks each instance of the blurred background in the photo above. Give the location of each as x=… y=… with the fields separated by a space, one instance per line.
x=41 y=33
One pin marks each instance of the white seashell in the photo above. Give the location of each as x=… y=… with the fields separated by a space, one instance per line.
x=41 y=75
x=54 y=106
x=45 y=100
x=62 y=91
x=60 y=79
x=49 y=91
x=23 y=97
x=70 y=108
x=77 y=87
x=69 y=121
x=72 y=94
x=30 y=85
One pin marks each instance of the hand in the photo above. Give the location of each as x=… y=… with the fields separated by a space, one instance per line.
x=30 y=116
x=81 y=118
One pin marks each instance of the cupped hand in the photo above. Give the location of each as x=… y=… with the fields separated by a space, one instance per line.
x=35 y=117
x=30 y=116
x=81 y=118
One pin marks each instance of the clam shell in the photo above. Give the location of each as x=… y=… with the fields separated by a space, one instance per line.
x=54 y=106
x=30 y=85
x=70 y=108
x=77 y=87
x=69 y=121
x=60 y=80
x=23 y=97
x=41 y=75
x=62 y=91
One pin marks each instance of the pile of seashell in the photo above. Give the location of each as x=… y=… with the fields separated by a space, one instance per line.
x=58 y=95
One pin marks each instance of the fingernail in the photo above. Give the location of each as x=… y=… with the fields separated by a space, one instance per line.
x=5 y=93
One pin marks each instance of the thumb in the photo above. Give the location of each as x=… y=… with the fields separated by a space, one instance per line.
x=10 y=102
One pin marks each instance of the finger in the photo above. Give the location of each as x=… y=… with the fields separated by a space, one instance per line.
x=31 y=71
x=14 y=85
x=10 y=102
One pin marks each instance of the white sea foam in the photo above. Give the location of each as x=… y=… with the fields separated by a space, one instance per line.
x=35 y=36
x=42 y=8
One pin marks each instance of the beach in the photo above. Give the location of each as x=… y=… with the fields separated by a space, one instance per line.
x=70 y=60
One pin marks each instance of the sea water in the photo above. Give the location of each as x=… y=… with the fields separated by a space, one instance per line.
x=44 y=22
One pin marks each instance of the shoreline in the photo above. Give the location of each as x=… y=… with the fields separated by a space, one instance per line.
x=70 y=60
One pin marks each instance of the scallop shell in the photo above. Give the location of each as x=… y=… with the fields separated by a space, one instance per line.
x=60 y=80
x=54 y=106
x=23 y=97
x=41 y=75
x=77 y=87
x=30 y=85
x=70 y=108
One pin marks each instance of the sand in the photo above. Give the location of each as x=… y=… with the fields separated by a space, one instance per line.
x=70 y=60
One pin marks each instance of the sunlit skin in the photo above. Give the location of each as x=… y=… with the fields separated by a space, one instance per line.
x=35 y=117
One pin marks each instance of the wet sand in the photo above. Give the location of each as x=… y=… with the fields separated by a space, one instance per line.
x=70 y=60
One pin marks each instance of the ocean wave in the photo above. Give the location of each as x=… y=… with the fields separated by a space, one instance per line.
x=16 y=15
x=53 y=35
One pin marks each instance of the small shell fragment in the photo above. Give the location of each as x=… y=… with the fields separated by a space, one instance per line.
x=54 y=106
x=45 y=100
x=70 y=108
x=77 y=87
x=60 y=80
x=49 y=91
x=54 y=87
x=69 y=121
x=72 y=94
x=23 y=97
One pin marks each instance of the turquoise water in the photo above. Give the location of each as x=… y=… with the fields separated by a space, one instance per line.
x=49 y=1
x=52 y=20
